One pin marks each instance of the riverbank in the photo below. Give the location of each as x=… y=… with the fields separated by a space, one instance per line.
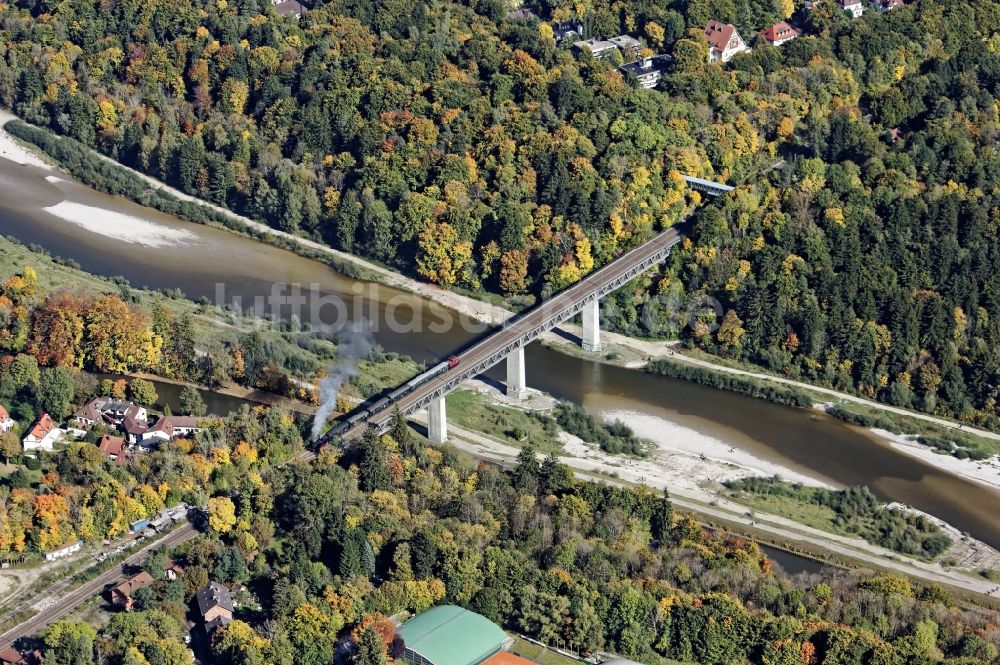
x=472 y=307
x=592 y=464
x=986 y=472
x=762 y=430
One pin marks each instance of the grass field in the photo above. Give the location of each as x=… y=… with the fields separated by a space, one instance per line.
x=471 y=410
x=540 y=654
x=818 y=517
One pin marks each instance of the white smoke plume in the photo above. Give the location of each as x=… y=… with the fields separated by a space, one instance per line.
x=355 y=344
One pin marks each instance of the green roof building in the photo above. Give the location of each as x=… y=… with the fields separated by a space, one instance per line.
x=449 y=635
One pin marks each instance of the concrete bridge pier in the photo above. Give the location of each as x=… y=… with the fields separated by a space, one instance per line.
x=437 y=421
x=591 y=327
x=516 y=383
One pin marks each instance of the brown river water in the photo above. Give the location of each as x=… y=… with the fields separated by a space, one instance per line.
x=198 y=259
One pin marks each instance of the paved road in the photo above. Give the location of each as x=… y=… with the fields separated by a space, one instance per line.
x=523 y=328
x=78 y=596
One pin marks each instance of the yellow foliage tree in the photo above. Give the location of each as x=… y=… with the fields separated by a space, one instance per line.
x=221 y=514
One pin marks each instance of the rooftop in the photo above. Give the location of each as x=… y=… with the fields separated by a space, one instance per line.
x=42 y=426
x=779 y=31
x=594 y=45
x=290 y=8
x=646 y=65
x=214 y=595
x=111 y=445
x=718 y=34
x=507 y=658
x=450 y=635
x=134 y=583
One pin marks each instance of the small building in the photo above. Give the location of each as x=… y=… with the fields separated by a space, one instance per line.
x=567 y=30
x=112 y=447
x=11 y=657
x=173 y=570
x=521 y=14
x=216 y=606
x=121 y=595
x=42 y=434
x=168 y=428
x=450 y=635
x=52 y=555
x=628 y=45
x=598 y=48
x=779 y=33
x=6 y=422
x=724 y=41
x=292 y=8
x=139 y=525
x=853 y=7
x=883 y=6
x=648 y=71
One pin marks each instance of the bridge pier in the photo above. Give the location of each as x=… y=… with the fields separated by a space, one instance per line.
x=591 y=340
x=516 y=383
x=437 y=421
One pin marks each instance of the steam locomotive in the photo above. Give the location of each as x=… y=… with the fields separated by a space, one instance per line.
x=393 y=397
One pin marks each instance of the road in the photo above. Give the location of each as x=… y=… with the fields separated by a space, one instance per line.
x=78 y=596
x=523 y=328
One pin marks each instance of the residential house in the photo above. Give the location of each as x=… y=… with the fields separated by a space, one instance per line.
x=724 y=41
x=113 y=447
x=598 y=48
x=853 y=7
x=779 y=33
x=121 y=595
x=52 y=555
x=11 y=657
x=168 y=428
x=216 y=606
x=567 y=30
x=648 y=71
x=882 y=6
x=521 y=14
x=292 y=8
x=42 y=434
x=6 y=422
x=628 y=45
x=110 y=411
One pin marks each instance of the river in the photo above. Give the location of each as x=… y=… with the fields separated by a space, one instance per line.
x=201 y=261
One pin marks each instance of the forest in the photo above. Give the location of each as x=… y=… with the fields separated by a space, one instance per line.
x=466 y=147
x=336 y=546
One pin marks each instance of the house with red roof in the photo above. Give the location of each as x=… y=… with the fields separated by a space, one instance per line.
x=724 y=41
x=112 y=447
x=6 y=422
x=11 y=657
x=42 y=434
x=121 y=595
x=779 y=33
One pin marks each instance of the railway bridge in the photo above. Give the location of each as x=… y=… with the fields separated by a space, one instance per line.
x=507 y=343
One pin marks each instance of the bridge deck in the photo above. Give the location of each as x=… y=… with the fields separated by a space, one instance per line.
x=521 y=329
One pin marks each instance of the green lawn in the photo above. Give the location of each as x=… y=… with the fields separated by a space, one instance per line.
x=540 y=655
x=818 y=517
x=471 y=410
